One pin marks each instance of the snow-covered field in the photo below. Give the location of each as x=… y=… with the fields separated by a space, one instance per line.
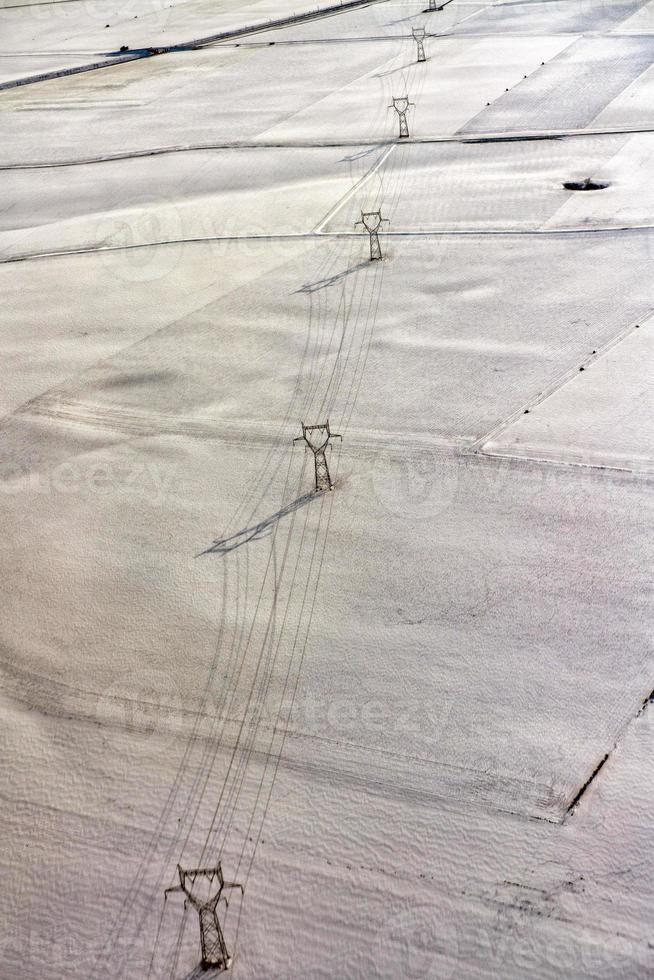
x=410 y=716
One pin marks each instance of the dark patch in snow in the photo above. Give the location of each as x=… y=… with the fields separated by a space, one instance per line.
x=585 y=185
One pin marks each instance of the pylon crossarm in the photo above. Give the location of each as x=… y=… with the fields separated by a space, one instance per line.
x=205 y=872
x=366 y=220
x=231 y=884
x=187 y=896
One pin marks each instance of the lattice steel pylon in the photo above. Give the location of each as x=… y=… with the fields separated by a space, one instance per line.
x=432 y=5
x=419 y=38
x=317 y=439
x=212 y=941
x=371 y=221
x=401 y=106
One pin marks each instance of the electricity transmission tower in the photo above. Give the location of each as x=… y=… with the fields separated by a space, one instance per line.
x=401 y=106
x=419 y=37
x=317 y=439
x=371 y=221
x=214 y=949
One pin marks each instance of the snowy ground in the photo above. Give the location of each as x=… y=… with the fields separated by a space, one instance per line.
x=411 y=716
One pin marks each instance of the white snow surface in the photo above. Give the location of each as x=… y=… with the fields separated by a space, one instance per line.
x=412 y=715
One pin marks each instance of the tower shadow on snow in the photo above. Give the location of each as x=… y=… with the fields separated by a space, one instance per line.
x=222 y=546
x=361 y=153
x=313 y=287
x=200 y=972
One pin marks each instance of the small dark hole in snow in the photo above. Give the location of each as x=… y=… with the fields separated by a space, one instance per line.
x=585 y=185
